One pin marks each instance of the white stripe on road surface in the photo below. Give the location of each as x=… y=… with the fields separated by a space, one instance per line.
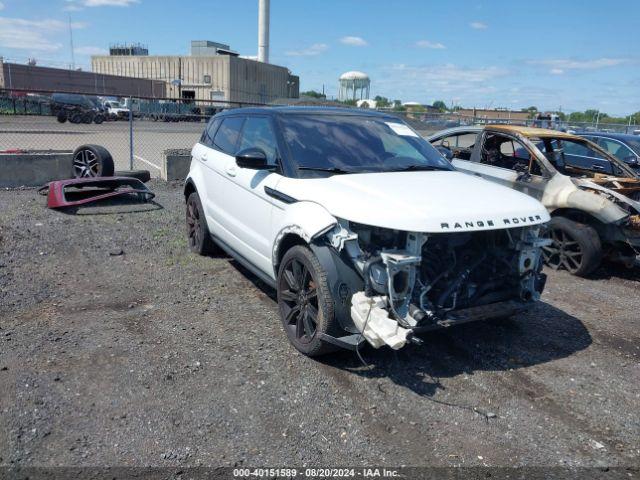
x=147 y=162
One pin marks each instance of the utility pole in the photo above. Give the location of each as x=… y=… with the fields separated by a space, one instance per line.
x=73 y=55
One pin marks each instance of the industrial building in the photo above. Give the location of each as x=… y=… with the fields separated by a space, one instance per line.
x=30 y=77
x=211 y=72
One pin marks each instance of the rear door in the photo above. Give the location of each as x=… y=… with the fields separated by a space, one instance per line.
x=215 y=152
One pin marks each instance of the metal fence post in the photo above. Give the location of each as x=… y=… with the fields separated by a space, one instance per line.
x=130 y=134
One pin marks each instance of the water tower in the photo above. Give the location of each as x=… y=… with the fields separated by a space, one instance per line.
x=354 y=86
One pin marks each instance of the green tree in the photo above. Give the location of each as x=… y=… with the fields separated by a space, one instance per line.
x=397 y=106
x=382 y=102
x=440 y=105
x=313 y=94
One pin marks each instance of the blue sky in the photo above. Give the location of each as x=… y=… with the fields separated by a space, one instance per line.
x=497 y=53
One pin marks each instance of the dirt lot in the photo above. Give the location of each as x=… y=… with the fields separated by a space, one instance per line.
x=118 y=347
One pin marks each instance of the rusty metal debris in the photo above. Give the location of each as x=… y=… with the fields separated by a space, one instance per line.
x=82 y=191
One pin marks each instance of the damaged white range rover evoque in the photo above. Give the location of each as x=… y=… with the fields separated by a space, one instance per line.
x=365 y=231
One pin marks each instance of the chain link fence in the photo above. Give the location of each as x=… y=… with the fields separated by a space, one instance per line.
x=139 y=132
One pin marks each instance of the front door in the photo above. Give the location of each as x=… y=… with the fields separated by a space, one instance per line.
x=247 y=203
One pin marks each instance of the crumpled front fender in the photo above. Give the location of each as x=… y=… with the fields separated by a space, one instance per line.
x=308 y=220
x=601 y=208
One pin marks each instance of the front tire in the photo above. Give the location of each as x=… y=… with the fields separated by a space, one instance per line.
x=576 y=247
x=198 y=236
x=305 y=302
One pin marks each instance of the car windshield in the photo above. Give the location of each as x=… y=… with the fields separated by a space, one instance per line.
x=332 y=144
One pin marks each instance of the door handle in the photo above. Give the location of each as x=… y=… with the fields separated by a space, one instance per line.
x=597 y=167
x=204 y=157
x=232 y=170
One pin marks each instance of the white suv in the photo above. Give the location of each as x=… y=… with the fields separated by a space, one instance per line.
x=365 y=231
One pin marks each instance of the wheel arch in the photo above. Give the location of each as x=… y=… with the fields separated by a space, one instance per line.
x=300 y=225
x=578 y=215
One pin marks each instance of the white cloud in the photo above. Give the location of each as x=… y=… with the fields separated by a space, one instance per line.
x=449 y=74
x=428 y=44
x=354 y=41
x=479 y=25
x=559 y=66
x=75 y=5
x=88 y=50
x=315 y=49
x=32 y=35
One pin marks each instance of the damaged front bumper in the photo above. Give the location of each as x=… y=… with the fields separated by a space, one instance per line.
x=371 y=316
x=414 y=282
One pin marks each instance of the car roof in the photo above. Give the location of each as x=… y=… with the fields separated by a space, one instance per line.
x=529 y=132
x=290 y=110
x=532 y=132
x=616 y=136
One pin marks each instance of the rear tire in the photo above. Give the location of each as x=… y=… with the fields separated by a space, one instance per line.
x=98 y=119
x=305 y=302
x=61 y=116
x=576 y=247
x=198 y=236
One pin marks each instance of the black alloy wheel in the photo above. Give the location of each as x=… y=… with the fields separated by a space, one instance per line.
x=305 y=302
x=575 y=247
x=198 y=236
x=299 y=301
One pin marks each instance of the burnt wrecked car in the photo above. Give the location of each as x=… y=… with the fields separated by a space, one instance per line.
x=363 y=229
x=594 y=204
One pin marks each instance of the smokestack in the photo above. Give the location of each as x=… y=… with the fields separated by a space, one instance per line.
x=263 y=31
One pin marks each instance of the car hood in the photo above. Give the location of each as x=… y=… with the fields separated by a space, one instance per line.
x=445 y=201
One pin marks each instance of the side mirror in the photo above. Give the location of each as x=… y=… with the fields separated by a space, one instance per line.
x=253 y=158
x=631 y=160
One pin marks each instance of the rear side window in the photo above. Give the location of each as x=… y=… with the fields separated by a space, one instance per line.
x=209 y=132
x=227 y=135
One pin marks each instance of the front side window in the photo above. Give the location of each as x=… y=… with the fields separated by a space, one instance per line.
x=356 y=144
x=258 y=133
x=505 y=152
x=226 y=138
x=616 y=149
x=460 y=144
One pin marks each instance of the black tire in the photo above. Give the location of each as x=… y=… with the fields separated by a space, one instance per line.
x=198 y=236
x=92 y=161
x=576 y=247
x=143 y=175
x=61 y=116
x=98 y=119
x=76 y=117
x=87 y=118
x=305 y=302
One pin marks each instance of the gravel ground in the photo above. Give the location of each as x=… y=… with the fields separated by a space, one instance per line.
x=118 y=347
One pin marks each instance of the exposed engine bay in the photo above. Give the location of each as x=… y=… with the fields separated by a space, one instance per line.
x=414 y=282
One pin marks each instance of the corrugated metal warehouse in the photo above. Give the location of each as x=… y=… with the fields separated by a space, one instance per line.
x=210 y=73
x=30 y=77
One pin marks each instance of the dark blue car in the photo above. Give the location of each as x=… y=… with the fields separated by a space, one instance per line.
x=624 y=147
